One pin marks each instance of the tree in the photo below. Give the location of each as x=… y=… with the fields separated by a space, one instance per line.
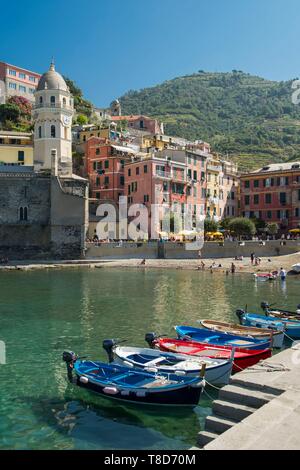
x=272 y=228
x=82 y=119
x=210 y=225
x=242 y=227
x=23 y=104
x=225 y=223
x=9 y=112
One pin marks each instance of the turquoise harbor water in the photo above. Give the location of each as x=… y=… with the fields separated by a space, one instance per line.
x=44 y=312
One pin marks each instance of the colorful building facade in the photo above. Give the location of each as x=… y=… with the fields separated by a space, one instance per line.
x=272 y=193
x=16 y=148
x=16 y=81
x=104 y=167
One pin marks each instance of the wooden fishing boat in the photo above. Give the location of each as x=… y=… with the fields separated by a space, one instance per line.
x=217 y=371
x=221 y=339
x=275 y=336
x=279 y=312
x=242 y=358
x=290 y=327
x=135 y=386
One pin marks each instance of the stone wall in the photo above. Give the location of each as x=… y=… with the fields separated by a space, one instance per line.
x=56 y=216
x=178 y=250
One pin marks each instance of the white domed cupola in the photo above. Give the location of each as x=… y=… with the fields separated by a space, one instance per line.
x=52 y=114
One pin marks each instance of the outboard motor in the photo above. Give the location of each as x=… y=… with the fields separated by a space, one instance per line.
x=265 y=306
x=150 y=338
x=108 y=345
x=69 y=357
x=298 y=309
x=240 y=312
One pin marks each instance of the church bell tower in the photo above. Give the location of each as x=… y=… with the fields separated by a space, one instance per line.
x=53 y=112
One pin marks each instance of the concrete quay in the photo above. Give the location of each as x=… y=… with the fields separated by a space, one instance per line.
x=259 y=409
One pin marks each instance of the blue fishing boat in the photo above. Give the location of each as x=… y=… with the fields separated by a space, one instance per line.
x=130 y=385
x=290 y=327
x=224 y=339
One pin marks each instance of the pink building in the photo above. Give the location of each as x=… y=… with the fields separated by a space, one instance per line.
x=17 y=81
x=168 y=178
x=141 y=123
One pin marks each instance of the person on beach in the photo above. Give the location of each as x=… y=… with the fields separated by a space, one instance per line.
x=143 y=262
x=233 y=268
x=252 y=258
x=282 y=274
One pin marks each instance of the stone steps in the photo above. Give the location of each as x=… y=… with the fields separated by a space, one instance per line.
x=255 y=386
x=218 y=424
x=234 y=411
x=244 y=396
x=205 y=437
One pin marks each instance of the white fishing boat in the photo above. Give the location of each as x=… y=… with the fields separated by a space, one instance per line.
x=217 y=371
x=296 y=268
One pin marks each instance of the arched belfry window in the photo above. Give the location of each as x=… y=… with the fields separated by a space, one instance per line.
x=40 y=132
x=53 y=131
x=64 y=102
x=52 y=100
x=41 y=99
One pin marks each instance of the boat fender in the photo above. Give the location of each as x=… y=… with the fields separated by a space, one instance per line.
x=151 y=369
x=110 y=390
x=180 y=373
x=200 y=384
x=141 y=393
x=125 y=393
x=128 y=364
x=83 y=379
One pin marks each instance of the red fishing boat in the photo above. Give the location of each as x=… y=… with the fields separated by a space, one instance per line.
x=243 y=358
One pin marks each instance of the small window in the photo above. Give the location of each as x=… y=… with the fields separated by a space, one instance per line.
x=106 y=164
x=247 y=184
x=247 y=200
x=256 y=198
x=137 y=170
x=23 y=213
x=52 y=100
x=256 y=183
x=64 y=102
x=53 y=131
x=40 y=132
x=145 y=169
x=122 y=180
x=98 y=151
x=129 y=172
x=41 y=99
x=21 y=156
x=268 y=198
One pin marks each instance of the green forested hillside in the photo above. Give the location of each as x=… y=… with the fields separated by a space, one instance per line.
x=251 y=119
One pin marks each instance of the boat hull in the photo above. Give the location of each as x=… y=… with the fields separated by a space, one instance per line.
x=184 y=396
x=291 y=327
x=218 y=374
x=259 y=333
x=243 y=358
x=220 y=339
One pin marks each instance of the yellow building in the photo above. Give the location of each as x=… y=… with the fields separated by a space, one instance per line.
x=16 y=148
x=92 y=131
x=213 y=189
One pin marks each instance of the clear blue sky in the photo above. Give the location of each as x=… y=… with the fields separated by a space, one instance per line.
x=111 y=46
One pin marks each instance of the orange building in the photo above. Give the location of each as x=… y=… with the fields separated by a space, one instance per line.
x=272 y=193
x=104 y=167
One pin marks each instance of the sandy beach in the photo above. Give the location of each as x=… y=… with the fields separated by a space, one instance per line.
x=221 y=265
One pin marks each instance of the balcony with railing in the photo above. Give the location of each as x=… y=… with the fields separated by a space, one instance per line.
x=52 y=105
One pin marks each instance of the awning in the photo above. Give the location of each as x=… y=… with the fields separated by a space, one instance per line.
x=123 y=149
